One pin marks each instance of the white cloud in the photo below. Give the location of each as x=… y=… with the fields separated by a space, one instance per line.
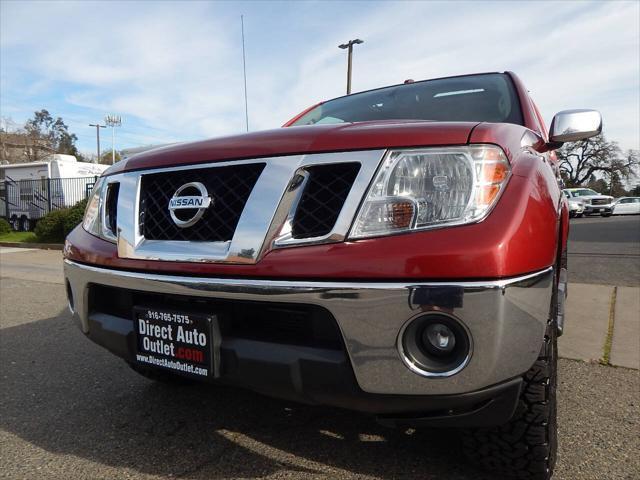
x=576 y=55
x=175 y=68
x=165 y=65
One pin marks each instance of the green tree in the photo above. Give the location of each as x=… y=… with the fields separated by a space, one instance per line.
x=54 y=132
x=599 y=185
x=616 y=186
x=107 y=159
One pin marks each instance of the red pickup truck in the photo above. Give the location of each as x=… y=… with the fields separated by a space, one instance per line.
x=400 y=251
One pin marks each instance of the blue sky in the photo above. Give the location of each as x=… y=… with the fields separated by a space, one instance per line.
x=173 y=70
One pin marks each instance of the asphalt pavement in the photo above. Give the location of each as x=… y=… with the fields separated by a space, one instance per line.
x=603 y=307
x=605 y=250
x=69 y=409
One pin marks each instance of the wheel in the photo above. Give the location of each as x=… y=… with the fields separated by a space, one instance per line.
x=162 y=376
x=579 y=215
x=526 y=446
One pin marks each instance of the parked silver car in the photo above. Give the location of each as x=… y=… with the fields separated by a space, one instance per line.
x=623 y=206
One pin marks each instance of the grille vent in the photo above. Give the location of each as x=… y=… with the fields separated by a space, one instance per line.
x=229 y=188
x=322 y=200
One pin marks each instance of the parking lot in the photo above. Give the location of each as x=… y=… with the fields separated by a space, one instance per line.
x=605 y=250
x=68 y=409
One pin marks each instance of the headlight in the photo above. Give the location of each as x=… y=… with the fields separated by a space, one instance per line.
x=92 y=221
x=432 y=187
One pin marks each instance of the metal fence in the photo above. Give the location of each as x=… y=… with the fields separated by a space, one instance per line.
x=23 y=202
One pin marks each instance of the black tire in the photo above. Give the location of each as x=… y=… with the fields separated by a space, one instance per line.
x=161 y=376
x=526 y=446
x=580 y=215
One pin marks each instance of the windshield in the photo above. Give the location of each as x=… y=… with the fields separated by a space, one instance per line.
x=473 y=98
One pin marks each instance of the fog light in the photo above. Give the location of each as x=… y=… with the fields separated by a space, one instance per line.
x=435 y=345
x=438 y=339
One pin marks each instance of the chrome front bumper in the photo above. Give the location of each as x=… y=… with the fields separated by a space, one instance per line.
x=506 y=319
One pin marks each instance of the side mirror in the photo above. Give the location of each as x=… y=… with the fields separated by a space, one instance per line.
x=574 y=125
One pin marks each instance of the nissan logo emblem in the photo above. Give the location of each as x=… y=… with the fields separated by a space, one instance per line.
x=194 y=206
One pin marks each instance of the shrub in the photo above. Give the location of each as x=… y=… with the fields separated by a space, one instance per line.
x=56 y=225
x=50 y=228
x=74 y=216
x=4 y=227
x=81 y=205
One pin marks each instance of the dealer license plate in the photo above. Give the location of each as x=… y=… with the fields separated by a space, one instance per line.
x=184 y=343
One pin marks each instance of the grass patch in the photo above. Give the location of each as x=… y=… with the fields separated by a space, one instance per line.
x=606 y=351
x=18 y=237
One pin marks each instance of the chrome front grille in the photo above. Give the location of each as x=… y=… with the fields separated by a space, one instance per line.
x=257 y=206
x=229 y=188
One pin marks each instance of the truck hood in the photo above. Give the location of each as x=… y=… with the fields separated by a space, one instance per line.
x=301 y=140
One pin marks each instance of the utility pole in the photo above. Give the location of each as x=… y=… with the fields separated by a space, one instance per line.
x=113 y=121
x=98 y=127
x=349 y=45
x=244 y=71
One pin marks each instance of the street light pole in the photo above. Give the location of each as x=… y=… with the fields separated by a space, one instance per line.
x=98 y=127
x=244 y=73
x=349 y=46
x=113 y=121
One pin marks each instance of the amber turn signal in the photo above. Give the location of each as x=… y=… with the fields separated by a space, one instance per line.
x=402 y=214
x=493 y=172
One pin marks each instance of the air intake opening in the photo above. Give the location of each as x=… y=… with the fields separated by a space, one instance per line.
x=111 y=208
x=323 y=198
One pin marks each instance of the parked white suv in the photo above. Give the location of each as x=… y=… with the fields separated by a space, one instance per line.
x=592 y=200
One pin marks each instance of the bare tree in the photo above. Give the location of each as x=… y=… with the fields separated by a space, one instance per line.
x=579 y=161
x=7 y=125
x=17 y=145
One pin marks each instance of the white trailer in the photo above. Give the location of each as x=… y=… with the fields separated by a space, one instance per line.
x=28 y=191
